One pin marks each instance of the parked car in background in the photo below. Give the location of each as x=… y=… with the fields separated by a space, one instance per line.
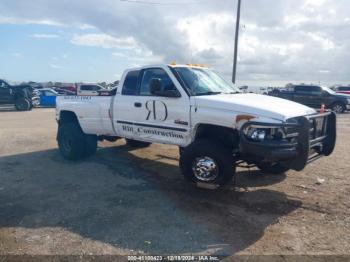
x=88 y=89
x=314 y=96
x=255 y=89
x=342 y=90
x=64 y=92
x=23 y=97
x=48 y=97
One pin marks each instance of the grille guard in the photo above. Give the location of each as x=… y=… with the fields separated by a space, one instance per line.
x=312 y=142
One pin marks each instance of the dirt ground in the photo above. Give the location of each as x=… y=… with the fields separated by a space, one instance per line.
x=126 y=201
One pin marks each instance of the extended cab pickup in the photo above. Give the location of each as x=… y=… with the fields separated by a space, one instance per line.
x=315 y=96
x=214 y=125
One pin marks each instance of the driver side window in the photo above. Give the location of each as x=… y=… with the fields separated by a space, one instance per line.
x=148 y=74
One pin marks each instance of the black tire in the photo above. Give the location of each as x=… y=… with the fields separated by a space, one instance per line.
x=73 y=143
x=91 y=145
x=274 y=169
x=338 y=108
x=22 y=104
x=275 y=92
x=181 y=150
x=137 y=144
x=207 y=149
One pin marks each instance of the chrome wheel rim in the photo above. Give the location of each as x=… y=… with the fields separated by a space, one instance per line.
x=338 y=108
x=205 y=169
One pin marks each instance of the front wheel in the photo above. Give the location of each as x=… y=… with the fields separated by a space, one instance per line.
x=275 y=169
x=23 y=104
x=206 y=161
x=338 y=108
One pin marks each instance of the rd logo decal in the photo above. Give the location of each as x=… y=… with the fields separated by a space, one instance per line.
x=157 y=110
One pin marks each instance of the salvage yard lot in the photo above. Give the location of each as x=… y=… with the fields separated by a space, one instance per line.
x=127 y=201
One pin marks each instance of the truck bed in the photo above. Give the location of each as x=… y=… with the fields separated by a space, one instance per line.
x=93 y=112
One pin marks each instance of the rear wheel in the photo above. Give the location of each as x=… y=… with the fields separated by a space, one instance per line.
x=275 y=169
x=73 y=143
x=137 y=144
x=91 y=145
x=338 y=108
x=207 y=162
x=22 y=104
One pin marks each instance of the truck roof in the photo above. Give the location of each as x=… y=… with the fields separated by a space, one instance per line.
x=173 y=65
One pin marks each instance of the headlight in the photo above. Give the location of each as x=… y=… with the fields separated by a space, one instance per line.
x=348 y=100
x=259 y=134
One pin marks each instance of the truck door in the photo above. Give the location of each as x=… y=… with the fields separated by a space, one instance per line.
x=315 y=96
x=5 y=93
x=146 y=117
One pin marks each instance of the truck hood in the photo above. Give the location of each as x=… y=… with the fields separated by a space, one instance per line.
x=340 y=95
x=256 y=105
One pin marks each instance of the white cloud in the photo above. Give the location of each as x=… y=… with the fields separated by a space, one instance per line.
x=325 y=43
x=280 y=39
x=104 y=40
x=119 y=55
x=314 y=3
x=45 y=36
x=54 y=66
x=19 y=21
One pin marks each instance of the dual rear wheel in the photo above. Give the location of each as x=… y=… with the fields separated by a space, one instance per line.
x=73 y=143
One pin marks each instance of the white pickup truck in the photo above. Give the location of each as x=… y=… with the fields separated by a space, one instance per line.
x=212 y=122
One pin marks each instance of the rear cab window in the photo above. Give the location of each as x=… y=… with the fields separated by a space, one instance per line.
x=130 y=86
x=90 y=88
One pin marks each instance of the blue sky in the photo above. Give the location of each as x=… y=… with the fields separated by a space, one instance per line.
x=281 y=41
x=44 y=53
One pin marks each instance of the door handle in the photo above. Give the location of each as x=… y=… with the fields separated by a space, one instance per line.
x=138 y=104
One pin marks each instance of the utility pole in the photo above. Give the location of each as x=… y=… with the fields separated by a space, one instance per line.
x=236 y=42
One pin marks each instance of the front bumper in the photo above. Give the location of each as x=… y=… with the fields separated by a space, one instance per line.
x=314 y=137
x=35 y=101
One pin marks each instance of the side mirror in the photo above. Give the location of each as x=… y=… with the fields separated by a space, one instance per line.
x=325 y=93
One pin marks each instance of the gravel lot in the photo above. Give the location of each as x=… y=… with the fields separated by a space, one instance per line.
x=125 y=201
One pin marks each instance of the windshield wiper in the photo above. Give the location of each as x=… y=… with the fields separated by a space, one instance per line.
x=210 y=93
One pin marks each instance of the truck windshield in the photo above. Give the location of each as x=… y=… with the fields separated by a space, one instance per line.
x=201 y=81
